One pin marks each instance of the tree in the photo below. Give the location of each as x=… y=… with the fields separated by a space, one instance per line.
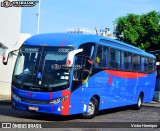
x=142 y=31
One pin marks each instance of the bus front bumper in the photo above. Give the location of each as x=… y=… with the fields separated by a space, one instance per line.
x=39 y=108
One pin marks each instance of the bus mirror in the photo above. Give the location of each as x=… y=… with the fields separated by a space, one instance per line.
x=7 y=54
x=71 y=55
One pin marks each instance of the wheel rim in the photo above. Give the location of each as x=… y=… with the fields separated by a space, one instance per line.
x=139 y=102
x=91 y=108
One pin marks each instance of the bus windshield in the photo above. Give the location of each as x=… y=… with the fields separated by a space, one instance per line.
x=42 y=68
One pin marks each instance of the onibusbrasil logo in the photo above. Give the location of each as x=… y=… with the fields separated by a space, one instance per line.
x=7 y=3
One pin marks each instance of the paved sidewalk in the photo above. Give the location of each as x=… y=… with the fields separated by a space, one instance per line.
x=152 y=104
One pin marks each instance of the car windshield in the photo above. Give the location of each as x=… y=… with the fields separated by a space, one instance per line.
x=42 y=67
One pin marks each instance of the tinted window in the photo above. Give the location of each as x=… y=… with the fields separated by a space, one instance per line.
x=152 y=64
x=144 y=64
x=105 y=57
x=126 y=61
x=88 y=49
x=136 y=63
x=44 y=69
x=101 y=60
x=115 y=59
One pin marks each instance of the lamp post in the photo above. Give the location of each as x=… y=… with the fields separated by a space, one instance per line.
x=38 y=17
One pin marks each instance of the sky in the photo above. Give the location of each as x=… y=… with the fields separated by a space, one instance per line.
x=59 y=15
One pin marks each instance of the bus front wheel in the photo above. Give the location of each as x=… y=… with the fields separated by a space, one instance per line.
x=92 y=109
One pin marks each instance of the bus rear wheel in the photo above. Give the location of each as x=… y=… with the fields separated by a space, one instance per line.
x=92 y=109
x=139 y=102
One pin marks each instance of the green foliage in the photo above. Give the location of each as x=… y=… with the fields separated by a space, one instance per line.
x=142 y=31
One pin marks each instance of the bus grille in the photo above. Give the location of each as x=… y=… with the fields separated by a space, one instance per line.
x=34 y=101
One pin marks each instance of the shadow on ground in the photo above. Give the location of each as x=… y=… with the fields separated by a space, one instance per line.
x=6 y=110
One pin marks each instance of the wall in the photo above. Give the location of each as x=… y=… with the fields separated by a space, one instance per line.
x=5 y=76
x=10 y=23
x=7 y=70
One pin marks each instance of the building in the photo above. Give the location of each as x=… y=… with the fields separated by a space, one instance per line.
x=10 y=37
x=102 y=32
x=6 y=70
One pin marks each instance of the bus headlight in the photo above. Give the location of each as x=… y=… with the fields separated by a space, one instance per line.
x=58 y=100
x=16 y=97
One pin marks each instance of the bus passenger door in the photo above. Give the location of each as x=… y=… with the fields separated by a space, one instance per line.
x=81 y=73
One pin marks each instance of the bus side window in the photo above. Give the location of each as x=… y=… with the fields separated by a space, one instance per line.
x=105 y=57
x=144 y=64
x=101 y=59
x=126 y=61
x=115 y=59
x=98 y=58
x=152 y=64
x=136 y=63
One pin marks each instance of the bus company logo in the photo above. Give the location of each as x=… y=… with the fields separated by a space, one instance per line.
x=7 y=3
x=31 y=94
x=27 y=94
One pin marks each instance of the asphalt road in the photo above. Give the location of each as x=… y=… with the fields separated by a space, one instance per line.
x=125 y=114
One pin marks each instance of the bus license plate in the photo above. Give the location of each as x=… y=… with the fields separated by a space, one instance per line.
x=33 y=108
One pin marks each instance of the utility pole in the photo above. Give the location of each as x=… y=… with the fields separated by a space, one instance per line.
x=38 y=16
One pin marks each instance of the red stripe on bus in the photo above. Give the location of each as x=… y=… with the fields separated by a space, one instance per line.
x=110 y=80
x=123 y=74
x=62 y=44
x=50 y=97
x=66 y=103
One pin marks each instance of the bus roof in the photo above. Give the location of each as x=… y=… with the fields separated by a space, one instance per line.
x=67 y=39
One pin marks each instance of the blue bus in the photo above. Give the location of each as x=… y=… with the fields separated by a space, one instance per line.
x=67 y=73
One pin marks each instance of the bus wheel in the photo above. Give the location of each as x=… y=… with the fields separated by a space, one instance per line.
x=139 y=102
x=92 y=109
